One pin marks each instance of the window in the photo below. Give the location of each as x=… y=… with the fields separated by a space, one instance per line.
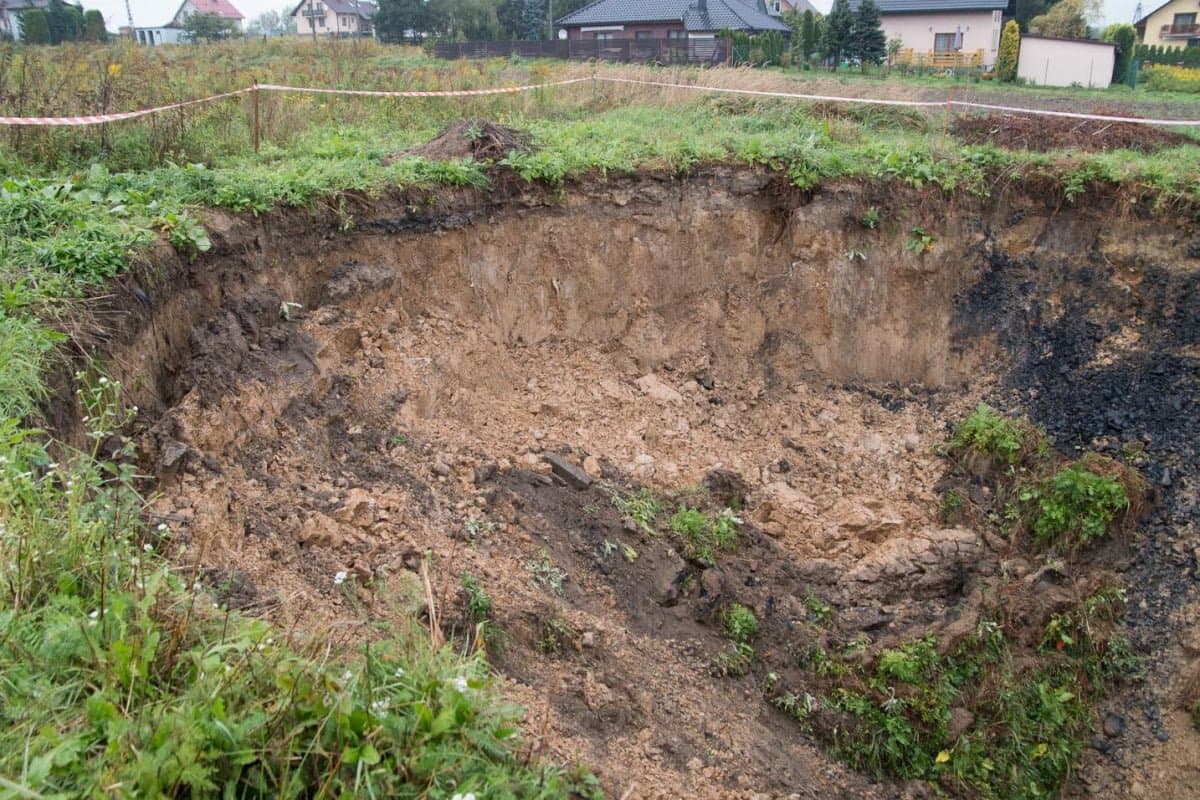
x=676 y=34
x=1182 y=20
x=604 y=36
x=776 y=6
x=943 y=42
x=642 y=35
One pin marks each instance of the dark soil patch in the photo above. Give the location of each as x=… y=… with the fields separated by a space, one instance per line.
x=476 y=139
x=1042 y=134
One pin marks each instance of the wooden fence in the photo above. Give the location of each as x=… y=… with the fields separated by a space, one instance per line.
x=941 y=59
x=641 y=51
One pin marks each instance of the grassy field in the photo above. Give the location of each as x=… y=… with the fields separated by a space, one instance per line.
x=118 y=672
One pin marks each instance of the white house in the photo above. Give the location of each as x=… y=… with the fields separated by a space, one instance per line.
x=174 y=31
x=1047 y=61
x=944 y=27
x=342 y=18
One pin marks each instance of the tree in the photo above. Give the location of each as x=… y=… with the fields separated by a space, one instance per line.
x=93 y=27
x=1010 y=49
x=465 y=20
x=838 y=26
x=268 y=22
x=810 y=38
x=65 y=21
x=208 y=27
x=1124 y=36
x=1025 y=10
x=868 y=42
x=1067 y=19
x=402 y=20
x=35 y=26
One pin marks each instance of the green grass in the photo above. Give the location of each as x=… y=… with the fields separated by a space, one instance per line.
x=704 y=535
x=739 y=623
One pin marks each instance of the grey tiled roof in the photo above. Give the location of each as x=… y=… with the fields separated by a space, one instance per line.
x=934 y=6
x=720 y=14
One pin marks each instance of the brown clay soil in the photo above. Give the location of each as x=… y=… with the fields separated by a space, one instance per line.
x=666 y=334
x=1043 y=134
x=476 y=139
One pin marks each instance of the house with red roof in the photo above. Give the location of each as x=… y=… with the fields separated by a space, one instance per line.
x=174 y=33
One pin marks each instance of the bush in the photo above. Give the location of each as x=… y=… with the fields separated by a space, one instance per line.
x=739 y=623
x=1171 y=79
x=1076 y=505
x=1010 y=48
x=989 y=432
x=703 y=536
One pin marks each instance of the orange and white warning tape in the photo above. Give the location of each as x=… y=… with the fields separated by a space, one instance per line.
x=96 y=119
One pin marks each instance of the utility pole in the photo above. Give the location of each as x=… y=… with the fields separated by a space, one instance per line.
x=550 y=20
x=129 y=14
x=312 y=19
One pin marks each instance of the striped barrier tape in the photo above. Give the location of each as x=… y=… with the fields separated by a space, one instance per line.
x=270 y=87
x=97 y=119
x=909 y=103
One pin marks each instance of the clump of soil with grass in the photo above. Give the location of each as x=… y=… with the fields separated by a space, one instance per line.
x=476 y=139
x=1043 y=134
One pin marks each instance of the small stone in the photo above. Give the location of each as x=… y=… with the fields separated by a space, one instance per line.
x=912 y=442
x=588 y=640
x=591 y=465
x=706 y=381
x=440 y=467
x=644 y=460
x=574 y=477
x=658 y=390
x=1114 y=724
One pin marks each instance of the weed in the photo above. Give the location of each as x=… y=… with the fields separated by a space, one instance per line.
x=949 y=505
x=739 y=623
x=477 y=528
x=734 y=661
x=1075 y=506
x=185 y=233
x=543 y=573
x=641 y=506
x=819 y=611
x=287 y=309
x=853 y=255
x=704 y=536
x=398 y=440
x=557 y=634
x=479 y=604
x=920 y=242
x=989 y=432
x=870 y=218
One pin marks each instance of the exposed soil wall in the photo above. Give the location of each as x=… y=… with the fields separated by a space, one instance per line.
x=653 y=329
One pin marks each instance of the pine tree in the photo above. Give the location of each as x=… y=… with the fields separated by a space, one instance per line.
x=808 y=35
x=868 y=42
x=1010 y=49
x=93 y=27
x=838 y=26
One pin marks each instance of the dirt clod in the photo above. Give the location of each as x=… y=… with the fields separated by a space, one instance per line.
x=476 y=139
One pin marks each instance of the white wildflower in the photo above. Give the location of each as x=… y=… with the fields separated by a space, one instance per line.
x=379 y=706
x=339 y=578
x=399 y=672
x=460 y=683
x=467 y=796
x=148 y=548
x=162 y=526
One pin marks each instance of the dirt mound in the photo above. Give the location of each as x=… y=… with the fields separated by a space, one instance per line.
x=1042 y=134
x=476 y=139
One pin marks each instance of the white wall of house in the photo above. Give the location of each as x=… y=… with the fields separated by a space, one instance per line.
x=155 y=36
x=1174 y=17
x=980 y=30
x=326 y=20
x=1065 y=62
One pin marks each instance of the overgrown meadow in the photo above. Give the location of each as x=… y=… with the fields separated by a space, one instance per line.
x=118 y=673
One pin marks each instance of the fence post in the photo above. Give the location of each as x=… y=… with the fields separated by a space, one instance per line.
x=257 y=129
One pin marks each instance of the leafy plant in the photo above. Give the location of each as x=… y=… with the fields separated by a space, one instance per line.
x=185 y=233
x=739 y=623
x=543 y=573
x=479 y=604
x=870 y=218
x=920 y=242
x=989 y=432
x=704 y=536
x=640 y=506
x=557 y=634
x=1076 y=505
x=819 y=611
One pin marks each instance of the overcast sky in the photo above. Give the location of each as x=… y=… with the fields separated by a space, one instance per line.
x=158 y=12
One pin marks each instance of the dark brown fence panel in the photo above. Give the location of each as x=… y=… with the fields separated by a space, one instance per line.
x=636 y=51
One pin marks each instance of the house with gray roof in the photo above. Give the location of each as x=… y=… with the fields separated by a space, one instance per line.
x=668 y=19
x=10 y=16
x=937 y=29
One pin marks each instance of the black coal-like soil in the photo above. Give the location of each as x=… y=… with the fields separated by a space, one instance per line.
x=1086 y=390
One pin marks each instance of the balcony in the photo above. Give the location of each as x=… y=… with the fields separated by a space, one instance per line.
x=317 y=10
x=1179 y=31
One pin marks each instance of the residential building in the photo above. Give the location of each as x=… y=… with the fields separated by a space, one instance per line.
x=951 y=32
x=667 y=19
x=10 y=16
x=1050 y=61
x=174 y=32
x=1173 y=24
x=777 y=8
x=334 y=18
x=222 y=8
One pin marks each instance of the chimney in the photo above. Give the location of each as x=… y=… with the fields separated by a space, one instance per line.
x=702 y=7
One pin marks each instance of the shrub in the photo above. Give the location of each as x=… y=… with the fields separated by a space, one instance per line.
x=1172 y=79
x=1076 y=505
x=739 y=623
x=1010 y=48
x=989 y=432
x=703 y=536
